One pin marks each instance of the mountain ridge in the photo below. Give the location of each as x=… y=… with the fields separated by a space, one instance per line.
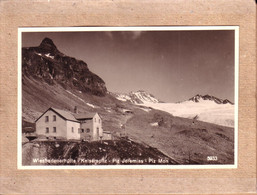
x=47 y=63
x=198 y=98
x=141 y=97
x=137 y=97
x=205 y=108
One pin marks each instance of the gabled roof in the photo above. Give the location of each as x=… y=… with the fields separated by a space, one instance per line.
x=70 y=116
x=67 y=115
x=63 y=114
x=84 y=116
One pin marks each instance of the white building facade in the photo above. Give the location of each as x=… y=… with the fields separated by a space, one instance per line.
x=60 y=124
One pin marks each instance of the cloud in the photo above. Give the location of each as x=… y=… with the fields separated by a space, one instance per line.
x=125 y=34
x=136 y=34
x=131 y=34
x=109 y=34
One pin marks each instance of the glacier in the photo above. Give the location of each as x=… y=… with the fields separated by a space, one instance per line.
x=205 y=110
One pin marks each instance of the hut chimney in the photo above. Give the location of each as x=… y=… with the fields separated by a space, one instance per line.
x=76 y=110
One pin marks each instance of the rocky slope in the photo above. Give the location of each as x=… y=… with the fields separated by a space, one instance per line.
x=47 y=63
x=188 y=141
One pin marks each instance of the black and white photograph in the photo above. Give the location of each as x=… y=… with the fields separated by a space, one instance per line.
x=128 y=97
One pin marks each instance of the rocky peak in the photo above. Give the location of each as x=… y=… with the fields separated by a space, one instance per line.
x=48 y=45
x=45 y=62
x=197 y=98
x=138 y=97
x=226 y=101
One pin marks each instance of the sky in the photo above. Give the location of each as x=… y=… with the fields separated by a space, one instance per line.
x=172 y=65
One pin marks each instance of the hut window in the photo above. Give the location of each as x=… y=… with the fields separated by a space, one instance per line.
x=47 y=130
x=88 y=130
x=97 y=131
x=46 y=118
x=54 y=117
x=54 y=129
x=82 y=130
x=72 y=129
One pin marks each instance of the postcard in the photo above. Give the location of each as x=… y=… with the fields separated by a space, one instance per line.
x=128 y=97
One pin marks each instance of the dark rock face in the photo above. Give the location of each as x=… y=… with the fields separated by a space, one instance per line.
x=46 y=62
x=198 y=97
x=226 y=101
x=48 y=45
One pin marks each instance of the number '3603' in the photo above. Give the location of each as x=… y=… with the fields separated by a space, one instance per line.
x=212 y=158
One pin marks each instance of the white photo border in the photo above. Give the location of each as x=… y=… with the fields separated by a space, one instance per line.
x=137 y=28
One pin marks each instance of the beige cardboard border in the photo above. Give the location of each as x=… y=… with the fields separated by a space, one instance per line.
x=14 y=14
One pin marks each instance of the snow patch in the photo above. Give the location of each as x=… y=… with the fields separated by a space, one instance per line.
x=76 y=96
x=91 y=105
x=123 y=97
x=127 y=111
x=146 y=109
x=154 y=124
x=49 y=56
x=107 y=109
x=38 y=54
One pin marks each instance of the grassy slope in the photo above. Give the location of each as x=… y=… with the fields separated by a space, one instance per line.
x=176 y=137
x=37 y=96
x=182 y=139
